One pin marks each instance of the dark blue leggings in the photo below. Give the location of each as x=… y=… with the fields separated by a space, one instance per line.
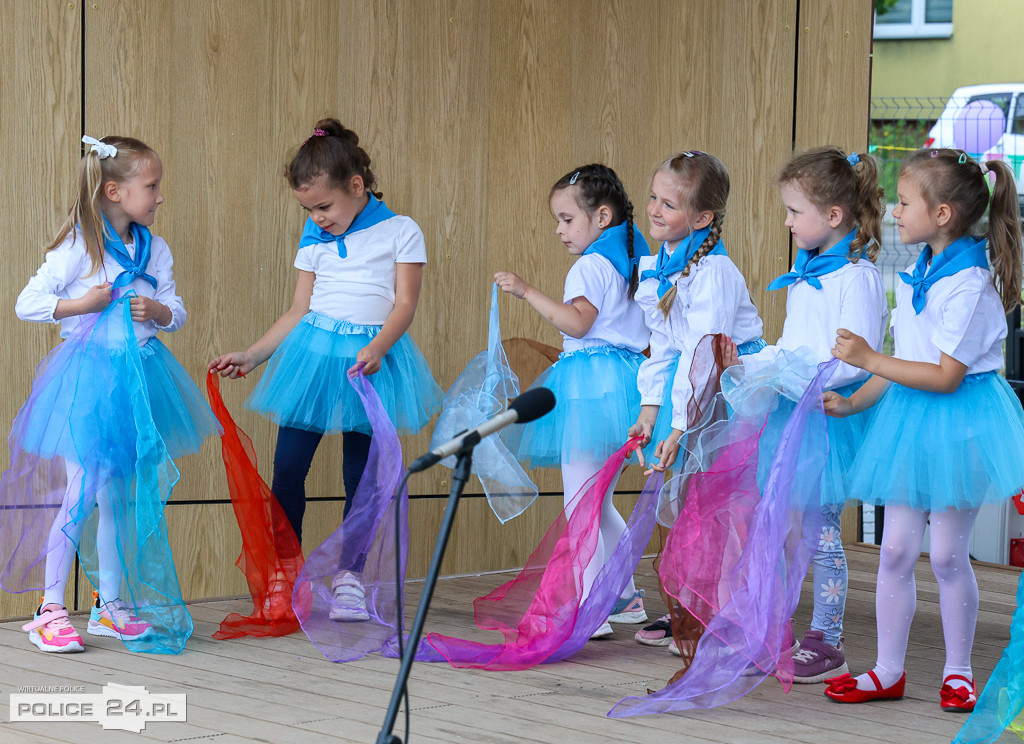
x=293 y=458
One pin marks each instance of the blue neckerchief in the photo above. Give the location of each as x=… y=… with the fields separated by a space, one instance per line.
x=375 y=211
x=669 y=265
x=812 y=264
x=134 y=268
x=613 y=246
x=962 y=253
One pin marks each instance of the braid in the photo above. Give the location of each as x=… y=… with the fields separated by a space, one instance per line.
x=634 y=278
x=665 y=303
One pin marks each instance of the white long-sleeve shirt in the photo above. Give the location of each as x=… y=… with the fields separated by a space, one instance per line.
x=66 y=274
x=712 y=299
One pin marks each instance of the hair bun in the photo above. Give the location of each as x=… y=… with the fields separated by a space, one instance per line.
x=335 y=128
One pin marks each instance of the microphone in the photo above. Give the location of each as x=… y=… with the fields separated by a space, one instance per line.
x=529 y=406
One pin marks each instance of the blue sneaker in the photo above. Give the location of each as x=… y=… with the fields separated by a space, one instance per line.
x=629 y=609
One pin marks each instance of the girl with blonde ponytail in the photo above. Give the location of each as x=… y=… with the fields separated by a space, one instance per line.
x=110 y=408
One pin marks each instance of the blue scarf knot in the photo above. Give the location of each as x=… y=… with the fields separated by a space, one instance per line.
x=668 y=265
x=809 y=265
x=134 y=268
x=375 y=211
x=613 y=245
x=962 y=253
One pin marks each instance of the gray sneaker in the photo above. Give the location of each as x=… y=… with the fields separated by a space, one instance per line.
x=816 y=660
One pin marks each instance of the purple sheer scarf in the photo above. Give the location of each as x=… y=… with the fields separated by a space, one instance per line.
x=747 y=609
x=367 y=537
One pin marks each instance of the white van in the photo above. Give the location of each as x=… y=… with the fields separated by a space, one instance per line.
x=1009 y=97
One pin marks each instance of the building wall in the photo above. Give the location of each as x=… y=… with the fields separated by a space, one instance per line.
x=984 y=48
x=470 y=111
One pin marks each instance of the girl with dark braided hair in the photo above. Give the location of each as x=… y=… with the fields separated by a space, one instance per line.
x=603 y=331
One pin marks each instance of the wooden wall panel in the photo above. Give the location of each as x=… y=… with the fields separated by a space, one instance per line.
x=39 y=124
x=470 y=111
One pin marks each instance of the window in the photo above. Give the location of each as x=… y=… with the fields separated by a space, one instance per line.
x=1017 y=127
x=916 y=19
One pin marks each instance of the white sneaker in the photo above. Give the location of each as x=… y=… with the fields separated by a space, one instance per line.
x=348 y=599
x=605 y=631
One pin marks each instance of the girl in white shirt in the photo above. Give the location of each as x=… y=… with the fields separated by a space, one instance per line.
x=689 y=290
x=360 y=271
x=947 y=433
x=834 y=212
x=603 y=332
x=110 y=407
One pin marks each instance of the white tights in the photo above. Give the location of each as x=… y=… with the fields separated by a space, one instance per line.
x=80 y=498
x=574 y=477
x=896 y=593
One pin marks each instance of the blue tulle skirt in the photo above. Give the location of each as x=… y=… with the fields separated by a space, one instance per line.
x=305 y=385
x=935 y=451
x=844 y=438
x=663 y=424
x=596 y=401
x=78 y=398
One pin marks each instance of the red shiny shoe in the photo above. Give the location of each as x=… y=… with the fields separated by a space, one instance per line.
x=958 y=698
x=844 y=689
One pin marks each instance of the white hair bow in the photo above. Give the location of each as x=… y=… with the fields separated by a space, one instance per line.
x=100 y=148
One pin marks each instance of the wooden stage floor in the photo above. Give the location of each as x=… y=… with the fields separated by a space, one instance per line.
x=282 y=690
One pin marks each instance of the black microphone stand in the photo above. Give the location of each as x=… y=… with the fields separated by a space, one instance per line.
x=460 y=474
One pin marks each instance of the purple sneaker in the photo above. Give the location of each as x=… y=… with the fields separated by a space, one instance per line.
x=817 y=660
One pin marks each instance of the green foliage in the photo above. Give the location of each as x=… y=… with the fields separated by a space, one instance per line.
x=884 y=6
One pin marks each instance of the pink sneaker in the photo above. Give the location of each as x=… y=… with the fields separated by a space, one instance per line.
x=113 y=619
x=52 y=632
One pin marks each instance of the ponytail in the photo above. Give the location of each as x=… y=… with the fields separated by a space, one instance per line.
x=1004 y=235
x=868 y=205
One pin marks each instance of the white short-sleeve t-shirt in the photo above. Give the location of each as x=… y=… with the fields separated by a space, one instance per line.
x=851 y=297
x=620 y=321
x=962 y=317
x=360 y=288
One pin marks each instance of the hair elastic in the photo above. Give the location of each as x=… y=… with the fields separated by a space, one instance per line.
x=102 y=149
x=853 y=158
x=935 y=153
x=962 y=159
x=572 y=180
x=318 y=132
